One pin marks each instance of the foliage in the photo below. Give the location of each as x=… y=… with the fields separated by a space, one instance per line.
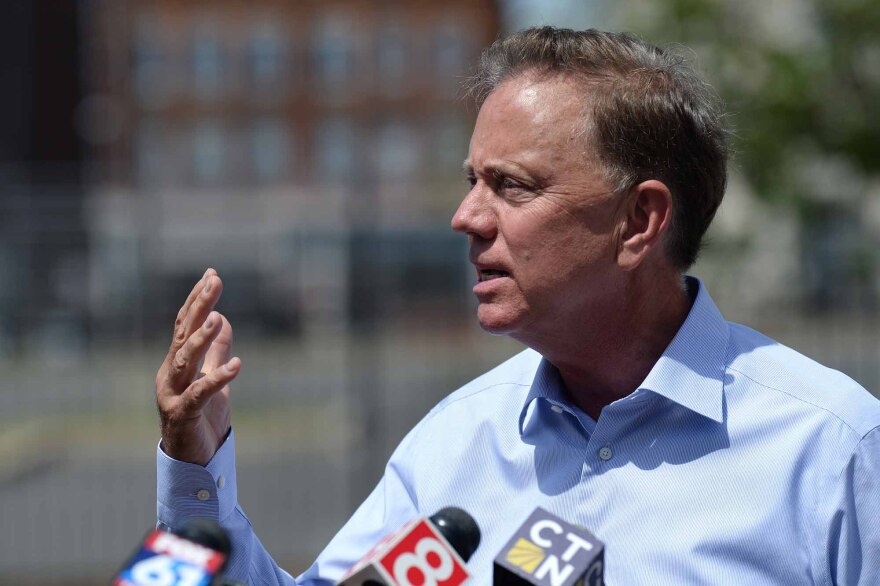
x=801 y=79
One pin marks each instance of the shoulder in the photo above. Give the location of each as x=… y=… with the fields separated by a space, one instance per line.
x=495 y=396
x=794 y=377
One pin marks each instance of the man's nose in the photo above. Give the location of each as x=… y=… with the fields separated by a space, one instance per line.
x=474 y=215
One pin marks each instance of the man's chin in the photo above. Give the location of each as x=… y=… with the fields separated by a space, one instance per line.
x=496 y=322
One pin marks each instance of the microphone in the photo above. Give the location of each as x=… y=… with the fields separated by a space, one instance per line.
x=194 y=555
x=548 y=551
x=424 y=552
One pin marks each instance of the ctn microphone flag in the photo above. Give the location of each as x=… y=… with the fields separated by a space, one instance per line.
x=195 y=555
x=548 y=551
x=424 y=552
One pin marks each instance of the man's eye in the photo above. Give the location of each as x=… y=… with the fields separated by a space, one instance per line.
x=472 y=180
x=508 y=185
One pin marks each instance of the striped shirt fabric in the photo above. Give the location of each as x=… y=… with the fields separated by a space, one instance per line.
x=736 y=461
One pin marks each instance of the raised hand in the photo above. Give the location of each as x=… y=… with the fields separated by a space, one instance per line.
x=192 y=385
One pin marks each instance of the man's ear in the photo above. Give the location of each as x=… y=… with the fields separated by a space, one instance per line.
x=647 y=215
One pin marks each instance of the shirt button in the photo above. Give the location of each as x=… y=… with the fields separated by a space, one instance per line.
x=221 y=482
x=203 y=495
x=605 y=453
x=556 y=408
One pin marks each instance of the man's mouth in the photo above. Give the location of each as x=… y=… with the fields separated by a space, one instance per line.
x=489 y=274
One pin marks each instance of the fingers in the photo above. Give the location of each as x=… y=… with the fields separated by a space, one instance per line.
x=200 y=391
x=197 y=288
x=185 y=363
x=198 y=305
x=221 y=348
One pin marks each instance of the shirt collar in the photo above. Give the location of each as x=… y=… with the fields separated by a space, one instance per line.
x=690 y=372
x=546 y=385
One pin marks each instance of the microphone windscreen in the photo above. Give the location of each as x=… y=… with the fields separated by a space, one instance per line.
x=459 y=529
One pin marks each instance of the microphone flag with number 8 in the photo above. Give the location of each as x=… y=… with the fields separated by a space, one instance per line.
x=422 y=559
x=420 y=554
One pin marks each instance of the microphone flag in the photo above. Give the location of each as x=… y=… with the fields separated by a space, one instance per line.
x=168 y=559
x=549 y=551
x=415 y=555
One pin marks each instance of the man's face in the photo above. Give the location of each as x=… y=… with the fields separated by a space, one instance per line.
x=540 y=217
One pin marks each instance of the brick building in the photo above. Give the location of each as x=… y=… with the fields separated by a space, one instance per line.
x=310 y=150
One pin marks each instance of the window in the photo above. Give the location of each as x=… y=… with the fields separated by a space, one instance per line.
x=271 y=150
x=207 y=62
x=398 y=150
x=333 y=57
x=451 y=51
x=156 y=155
x=335 y=150
x=392 y=60
x=209 y=152
x=268 y=61
x=152 y=60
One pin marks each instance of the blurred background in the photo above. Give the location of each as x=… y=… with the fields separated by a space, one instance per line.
x=311 y=152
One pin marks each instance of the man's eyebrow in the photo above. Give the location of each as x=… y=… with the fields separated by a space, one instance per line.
x=500 y=170
x=491 y=169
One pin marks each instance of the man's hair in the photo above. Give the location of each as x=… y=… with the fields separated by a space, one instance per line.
x=648 y=113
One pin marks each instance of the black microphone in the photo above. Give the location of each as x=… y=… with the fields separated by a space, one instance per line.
x=548 y=551
x=459 y=529
x=195 y=554
x=424 y=551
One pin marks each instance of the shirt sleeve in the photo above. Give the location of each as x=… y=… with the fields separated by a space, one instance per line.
x=853 y=545
x=185 y=490
x=188 y=490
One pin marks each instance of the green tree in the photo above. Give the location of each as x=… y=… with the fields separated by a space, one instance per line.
x=801 y=79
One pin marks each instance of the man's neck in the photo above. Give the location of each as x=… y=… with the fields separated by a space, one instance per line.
x=604 y=358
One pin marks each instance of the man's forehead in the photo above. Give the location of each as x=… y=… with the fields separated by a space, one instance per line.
x=544 y=98
x=529 y=94
x=541 y=105
x=529 y=117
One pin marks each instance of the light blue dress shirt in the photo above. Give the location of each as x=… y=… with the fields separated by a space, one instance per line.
x=736 y=461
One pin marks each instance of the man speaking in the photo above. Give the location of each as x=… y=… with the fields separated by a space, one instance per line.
x=697 y=450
